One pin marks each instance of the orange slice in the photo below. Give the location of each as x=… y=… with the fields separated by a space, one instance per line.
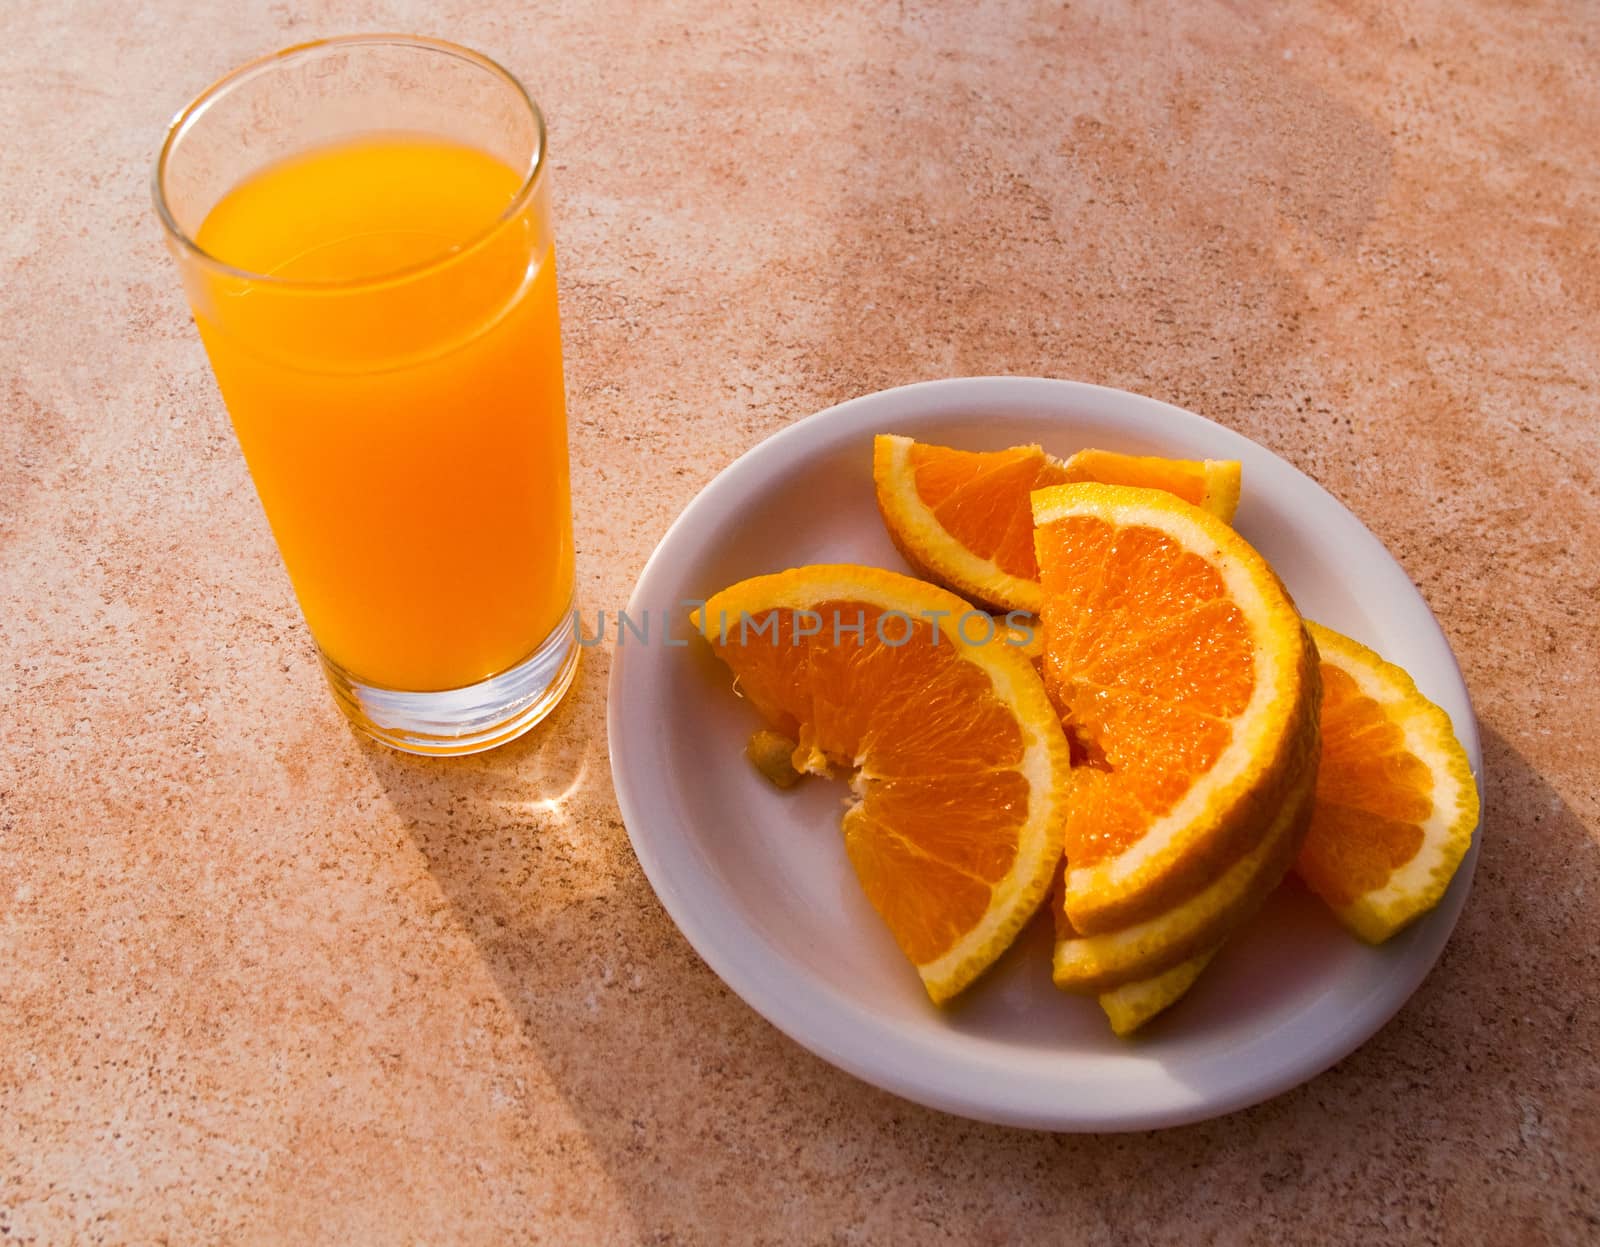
x=1096 y=963
x=1129 y=1007
x=1212 y=484
x=961 y=517
x=955 y=755
x=1396 y=803
x=1189 y=688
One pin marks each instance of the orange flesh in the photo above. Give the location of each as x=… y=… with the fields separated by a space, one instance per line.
x=940 y=807
x=1182 y=477
x=981 y=499
x=1372 y=796
x=1149 y=662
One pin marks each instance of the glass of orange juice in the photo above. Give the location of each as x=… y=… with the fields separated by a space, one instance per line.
x=363 y=230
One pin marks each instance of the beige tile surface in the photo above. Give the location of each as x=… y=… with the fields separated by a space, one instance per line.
x=262 y=983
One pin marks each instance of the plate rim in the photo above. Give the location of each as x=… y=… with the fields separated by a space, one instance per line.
x=819 y=1038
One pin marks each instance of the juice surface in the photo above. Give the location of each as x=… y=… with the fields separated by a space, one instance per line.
x=403 y=418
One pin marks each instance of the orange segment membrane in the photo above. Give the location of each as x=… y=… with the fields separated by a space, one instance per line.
x=1373 y=795
x=897 y=877
x=941 y=472
x=962 y=821
x=981 y=499
x=1349 y=852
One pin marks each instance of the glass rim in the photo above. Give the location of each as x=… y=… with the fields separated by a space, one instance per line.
x=191 y=113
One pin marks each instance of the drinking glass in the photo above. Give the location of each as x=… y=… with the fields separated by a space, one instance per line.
x=363 y=231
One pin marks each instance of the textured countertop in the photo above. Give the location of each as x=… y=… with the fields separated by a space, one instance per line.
x=261 y=982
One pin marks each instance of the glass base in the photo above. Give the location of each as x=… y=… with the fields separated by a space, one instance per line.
x=463 y=720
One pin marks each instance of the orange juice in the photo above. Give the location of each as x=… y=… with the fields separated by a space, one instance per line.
x=397 y=390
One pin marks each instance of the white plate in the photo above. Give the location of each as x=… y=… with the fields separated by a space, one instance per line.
x=757 y=879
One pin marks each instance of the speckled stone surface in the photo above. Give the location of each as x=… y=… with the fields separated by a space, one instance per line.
x=261 y=982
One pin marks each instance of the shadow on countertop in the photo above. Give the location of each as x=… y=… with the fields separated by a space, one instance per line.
x=658 y=1062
